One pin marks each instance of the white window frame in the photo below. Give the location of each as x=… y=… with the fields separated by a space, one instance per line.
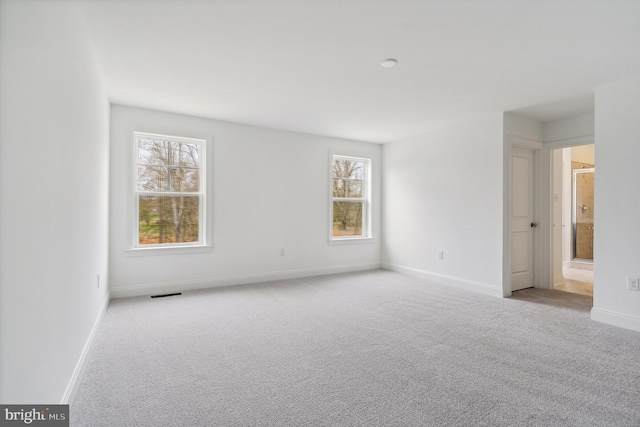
x=202 y=245
x=367 y=222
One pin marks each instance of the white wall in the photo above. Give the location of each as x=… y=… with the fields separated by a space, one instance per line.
x=54 y=186
x=270 y=190
x=583 y=154
x=522 y=127
x=617 y=195
x=569 y=128
x=443 y=191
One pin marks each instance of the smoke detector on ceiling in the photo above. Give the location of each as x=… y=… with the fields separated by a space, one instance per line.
x=388 y=63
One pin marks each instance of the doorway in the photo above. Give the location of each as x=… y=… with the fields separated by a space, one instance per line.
x=572 y=218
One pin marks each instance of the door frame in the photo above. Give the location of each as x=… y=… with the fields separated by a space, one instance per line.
x=547 y=196
x=538 y=185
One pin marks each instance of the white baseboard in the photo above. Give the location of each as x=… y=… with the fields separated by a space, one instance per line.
x=170 y=287
x=72 y=387
x=444 y=279
x=616 y=319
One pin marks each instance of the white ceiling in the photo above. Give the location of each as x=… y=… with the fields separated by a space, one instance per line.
x=314 y=65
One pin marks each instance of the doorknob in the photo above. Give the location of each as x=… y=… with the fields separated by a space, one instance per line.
x=534 y=224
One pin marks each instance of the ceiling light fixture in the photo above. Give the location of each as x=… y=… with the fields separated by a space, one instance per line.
x=388 y=63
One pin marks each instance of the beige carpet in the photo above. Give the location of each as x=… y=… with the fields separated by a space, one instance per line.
x=372 y=348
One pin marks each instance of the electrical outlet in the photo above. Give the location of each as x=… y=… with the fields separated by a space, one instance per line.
x=440 y=254
x=98 y=280
x=632 y=283
x=281 y=251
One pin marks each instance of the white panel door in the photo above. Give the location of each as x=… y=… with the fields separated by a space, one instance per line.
x=522 y=220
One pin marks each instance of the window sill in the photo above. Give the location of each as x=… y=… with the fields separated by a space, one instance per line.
x=173 y=250
x=352 y=241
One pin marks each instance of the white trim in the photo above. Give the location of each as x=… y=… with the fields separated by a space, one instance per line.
x=615 y=319
x=351 y=240
x=471 y=285
x=368 y=199
x=204 y=226
x=167 y=250
x=530 y=144
x=215 y=282
x=571 y=142
x=74 y=382
x=558 y=279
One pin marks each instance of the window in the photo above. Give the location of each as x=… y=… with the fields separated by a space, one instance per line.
x=169 y=191
x=351 y=198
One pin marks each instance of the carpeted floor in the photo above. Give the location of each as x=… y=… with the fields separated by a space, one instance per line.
x=371 y=348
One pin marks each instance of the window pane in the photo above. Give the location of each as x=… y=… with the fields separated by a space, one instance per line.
x=354 y=189
x=163 y=152
x=153 y=151
x=347 y=188
x=339 y=188
x=340 y=168
x=184 y=154
x=356 y=170
x=168 y=219
x=347 y=218
x=185 y=180
x=343 y=168
x=153 y=178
